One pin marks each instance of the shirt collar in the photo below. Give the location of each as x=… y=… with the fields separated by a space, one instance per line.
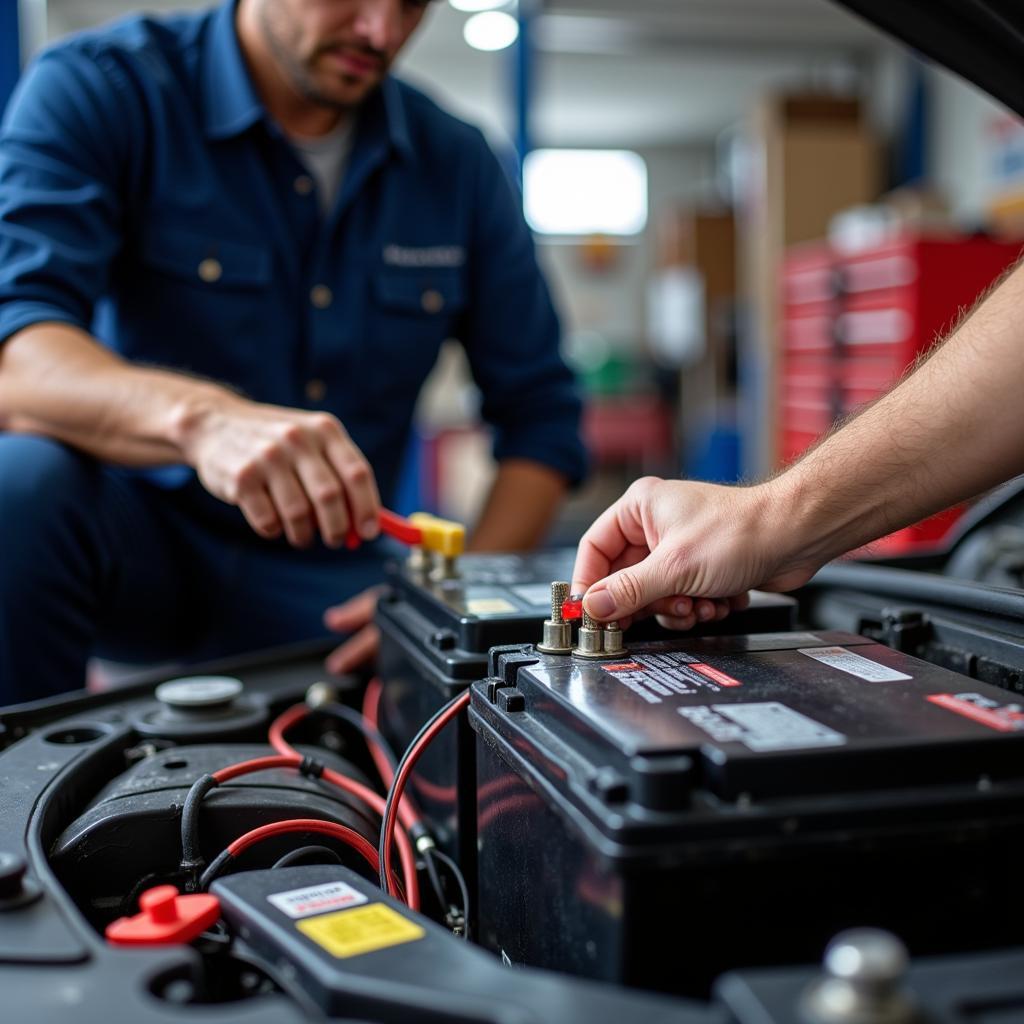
x=230 y=102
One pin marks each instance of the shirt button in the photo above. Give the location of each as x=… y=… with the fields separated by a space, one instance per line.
x=320 y=295
x=210 y=270
x=315 y=390
x=432 y=301
x=303 y=184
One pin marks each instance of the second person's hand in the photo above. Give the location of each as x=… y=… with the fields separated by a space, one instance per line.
x=687 y=552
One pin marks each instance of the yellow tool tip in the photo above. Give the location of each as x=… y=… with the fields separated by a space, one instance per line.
x=440 y=535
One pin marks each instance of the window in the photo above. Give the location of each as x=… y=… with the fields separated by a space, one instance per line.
x=585 y=191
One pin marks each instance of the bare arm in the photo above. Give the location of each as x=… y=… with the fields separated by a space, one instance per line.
x=950 y=430
x=288 y=470
x=520 y=507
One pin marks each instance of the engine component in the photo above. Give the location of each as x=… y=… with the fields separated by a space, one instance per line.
x=195 y=708
x=653 y=819
x=129 y=835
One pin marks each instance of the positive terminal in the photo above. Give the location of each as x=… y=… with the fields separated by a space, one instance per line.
x=557 y=632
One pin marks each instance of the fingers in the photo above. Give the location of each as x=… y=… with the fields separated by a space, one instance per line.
x=359 y=650
x=629 y=590
x=327 y=497
x=260 y=513
x=354 y=613
x=292 y=506
x=605 y=545
x=357 y=478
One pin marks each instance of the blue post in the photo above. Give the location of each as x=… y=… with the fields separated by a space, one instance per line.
x=10 y=49
x=523 y=79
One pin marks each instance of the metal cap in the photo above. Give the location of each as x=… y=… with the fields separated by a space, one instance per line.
x=867 y=956
x=863 y=983
x=194 y=692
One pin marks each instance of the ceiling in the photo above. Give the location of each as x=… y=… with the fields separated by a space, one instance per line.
x=613 y=72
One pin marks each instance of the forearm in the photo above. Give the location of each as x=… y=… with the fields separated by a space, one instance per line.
x=58 y=381
x=949 y=431
x=520 y=507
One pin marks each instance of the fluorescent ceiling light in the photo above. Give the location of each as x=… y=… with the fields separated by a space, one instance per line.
x=585 y=191
x=491 y=30
x=474 y=6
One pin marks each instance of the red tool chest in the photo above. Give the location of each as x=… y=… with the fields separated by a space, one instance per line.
x=853 y=322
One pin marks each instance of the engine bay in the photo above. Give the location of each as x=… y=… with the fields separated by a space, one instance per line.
x=669 y=827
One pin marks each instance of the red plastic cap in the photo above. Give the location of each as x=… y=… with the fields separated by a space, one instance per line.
x=572 y=608
x=166 y=918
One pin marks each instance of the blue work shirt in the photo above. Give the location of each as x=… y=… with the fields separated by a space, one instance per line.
x=147 y=196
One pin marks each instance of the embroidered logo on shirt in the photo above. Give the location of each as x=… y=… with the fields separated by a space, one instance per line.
x=426 y=256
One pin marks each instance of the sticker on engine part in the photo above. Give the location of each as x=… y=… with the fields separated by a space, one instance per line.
x=854 y=664
x=537 y=595
x=347 y=933
x=984 y=710
x=317 y=899
x=654 y=676
x=489 y=606
x=761 y=726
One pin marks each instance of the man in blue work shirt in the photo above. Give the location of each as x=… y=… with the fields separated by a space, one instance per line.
x=231 y=242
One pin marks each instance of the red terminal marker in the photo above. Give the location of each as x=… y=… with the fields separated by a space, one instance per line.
x=394 y=526
x=572 y=608
x=166 y=918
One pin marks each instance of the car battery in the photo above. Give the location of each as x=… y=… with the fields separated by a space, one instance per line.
x=656 y=818
x=436 y=631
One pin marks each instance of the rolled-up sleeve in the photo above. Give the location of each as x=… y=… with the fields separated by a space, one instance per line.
x=511 y=334
x=63 y=148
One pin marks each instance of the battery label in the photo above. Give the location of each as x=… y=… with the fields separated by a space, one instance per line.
x=762 y=726
x=853 y=664
x=656 y=676
x=316 y=899
x=1001 y=717
x=366 y=929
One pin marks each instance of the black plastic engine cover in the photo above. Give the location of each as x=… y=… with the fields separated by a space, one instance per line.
x=135 y=820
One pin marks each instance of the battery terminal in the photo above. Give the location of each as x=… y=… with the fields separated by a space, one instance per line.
x=557 y=631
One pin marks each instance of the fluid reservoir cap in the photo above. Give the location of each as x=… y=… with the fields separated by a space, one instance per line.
x=165 y=918
x=192 y=692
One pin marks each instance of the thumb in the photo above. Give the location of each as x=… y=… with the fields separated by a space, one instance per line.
x=628 y=590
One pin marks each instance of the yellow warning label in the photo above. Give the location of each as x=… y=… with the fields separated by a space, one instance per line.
x=360 y=930
x=489 y=606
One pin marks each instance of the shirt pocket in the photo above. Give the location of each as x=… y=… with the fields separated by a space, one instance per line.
x=412 y=313
x=207 y=262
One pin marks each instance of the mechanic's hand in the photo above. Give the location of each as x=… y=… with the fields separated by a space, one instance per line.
x=686 y=552
x=354 y=616
x=288 y=471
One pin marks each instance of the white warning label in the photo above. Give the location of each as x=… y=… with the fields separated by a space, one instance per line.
x=854 y=664
x=761 y=726
x=316 y=899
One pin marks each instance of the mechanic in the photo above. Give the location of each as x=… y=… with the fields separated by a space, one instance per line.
x=949 y=431
x=231 y=246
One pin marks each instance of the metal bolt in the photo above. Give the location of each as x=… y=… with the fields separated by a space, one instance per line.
x=557 y=632
x=445 y=568
x=418 y=561
x=590 y=642
x=559 y=595
x=613 y=639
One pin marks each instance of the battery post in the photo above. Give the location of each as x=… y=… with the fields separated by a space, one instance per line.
x=557 y=631
x=594 y=640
